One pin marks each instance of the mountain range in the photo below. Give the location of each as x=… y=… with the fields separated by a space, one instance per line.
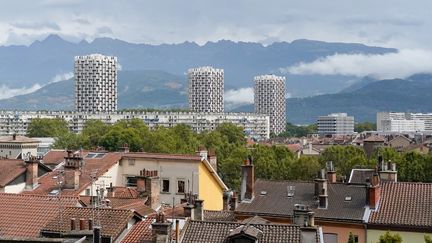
x=47 y=60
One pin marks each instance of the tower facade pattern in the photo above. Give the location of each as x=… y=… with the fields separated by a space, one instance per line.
x=206 y=89
x=95 y=83
x=269 y=99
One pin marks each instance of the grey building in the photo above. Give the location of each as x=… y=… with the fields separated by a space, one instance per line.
x=206 y=89
x=95 y=83
x=269 y=99
x=335 y=124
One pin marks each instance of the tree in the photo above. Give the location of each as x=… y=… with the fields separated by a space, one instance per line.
x=390 y=238
x=364 y=126
x=428 y=239
x=46 y=127
x=344 y=158
x=298 y=131
x=233 y=133
x=93 y=132
x=351 y=238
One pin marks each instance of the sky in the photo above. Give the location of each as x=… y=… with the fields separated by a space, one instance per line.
x=389 y=23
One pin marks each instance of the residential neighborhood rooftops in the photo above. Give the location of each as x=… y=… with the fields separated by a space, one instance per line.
x=162 y=156
x=345 y=202
x=25 y=215
x=17 y=139
x=10 y=169
x=404 y=204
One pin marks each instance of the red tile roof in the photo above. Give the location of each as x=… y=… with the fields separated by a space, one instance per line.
x=48 y=183
x=125 y=192
x=54 y=157
x=140 y=232
x=10 y=169
x=162 y=156
x=112 y=221
x=25 y=215
x=136 y=204
x=404 y=204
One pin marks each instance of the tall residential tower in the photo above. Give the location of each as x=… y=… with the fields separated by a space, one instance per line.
x=206 y=89
x=95 y=83
x=270 y=100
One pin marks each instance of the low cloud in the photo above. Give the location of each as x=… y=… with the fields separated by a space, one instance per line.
x=400 y=64
x=37 y=25
x=240 y=96
x=7 y=92
x=61 y=77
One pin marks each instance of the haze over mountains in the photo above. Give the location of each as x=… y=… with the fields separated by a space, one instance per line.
x=153 y=76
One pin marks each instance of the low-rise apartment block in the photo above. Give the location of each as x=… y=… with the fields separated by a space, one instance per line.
x=335 y=124
x=255 y=125
x=404 y=122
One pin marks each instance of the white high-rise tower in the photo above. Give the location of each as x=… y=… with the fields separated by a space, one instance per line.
x=206 y=89
x=95 y=83
x=270 y=100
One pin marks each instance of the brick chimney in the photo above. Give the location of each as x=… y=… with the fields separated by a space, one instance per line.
x=331 y=173
x=234 y=201
x=151 y=185
x=32 y=167
x=72 y=171
x=212 y=159
x=161 y=229
x=248 y=180
x=373 y=191
x=303 y=216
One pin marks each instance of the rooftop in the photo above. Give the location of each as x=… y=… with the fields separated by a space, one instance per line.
x=10 y=169
x=162 y=156
x=25 y=215
x=345 y=202
x=17 y=139
x=404 y=204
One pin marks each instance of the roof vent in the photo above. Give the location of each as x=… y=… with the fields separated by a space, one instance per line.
x=347 y=199
x=263 y=193
x=290 y=191
x=54 y=192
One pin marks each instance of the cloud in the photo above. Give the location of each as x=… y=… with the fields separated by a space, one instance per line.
x=7 y=92
x=239 y=96
x=37 y=25
x=400 y=64
x=61 y=77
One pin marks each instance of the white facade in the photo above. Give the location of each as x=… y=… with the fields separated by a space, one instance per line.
x=12 y=147
x=206 y=89
x=335 y=124
x=269 y=99
x=404 y=122
x=95 y=83
x=255 y=125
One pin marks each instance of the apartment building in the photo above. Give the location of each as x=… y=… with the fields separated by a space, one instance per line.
x=404 y=122
x=335 y=124
x=206 y=89
x=269 y=99
x=255 y=125
x=95 y=83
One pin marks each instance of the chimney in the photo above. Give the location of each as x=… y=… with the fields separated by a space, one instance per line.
x=373 y=191
x=212 y=159
x=140 y=180
x=177 y=231
x=320 y=183
x=152 y=188
x=161 y=229
x=198 y=210
x=331 y=173
x=234 y=201
x=323 y=199
x=187 y=210
x=388 y=171
x=202 y=152
x=126 y=148
x=303 y=216
x=248 y=180
x=32 y=167
x=110 y=191
x=72 y=171
x=225 y=201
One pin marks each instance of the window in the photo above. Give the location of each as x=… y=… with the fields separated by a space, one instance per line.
x=131 y=181
x=180 y=186
x=131 y=161
x=165 y=185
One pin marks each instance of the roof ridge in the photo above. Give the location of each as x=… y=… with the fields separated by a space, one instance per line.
x=34 y=195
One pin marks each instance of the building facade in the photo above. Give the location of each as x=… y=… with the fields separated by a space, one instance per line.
x=335 y=124
x=404 y=122
x=206 y=89
x=269 y=99
x=255 y=125
x=95 y=83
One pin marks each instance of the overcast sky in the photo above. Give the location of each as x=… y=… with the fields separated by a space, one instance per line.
x=392 y=23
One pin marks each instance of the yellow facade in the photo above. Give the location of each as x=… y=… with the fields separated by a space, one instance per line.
x=209 y=189
x=414 y=237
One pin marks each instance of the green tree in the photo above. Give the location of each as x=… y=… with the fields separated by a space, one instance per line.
x=428 y=239
x=390 y=238
x=298 y=131
x=365 y=126
x=344 y=158
x=44 y=127
x=93 y=132
x=351 y=238
x=233 y=133
x=68 y=141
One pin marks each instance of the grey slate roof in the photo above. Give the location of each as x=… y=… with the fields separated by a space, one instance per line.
x=204 y=231
x=358 y=176
x=277 y=203
x=214 y=215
